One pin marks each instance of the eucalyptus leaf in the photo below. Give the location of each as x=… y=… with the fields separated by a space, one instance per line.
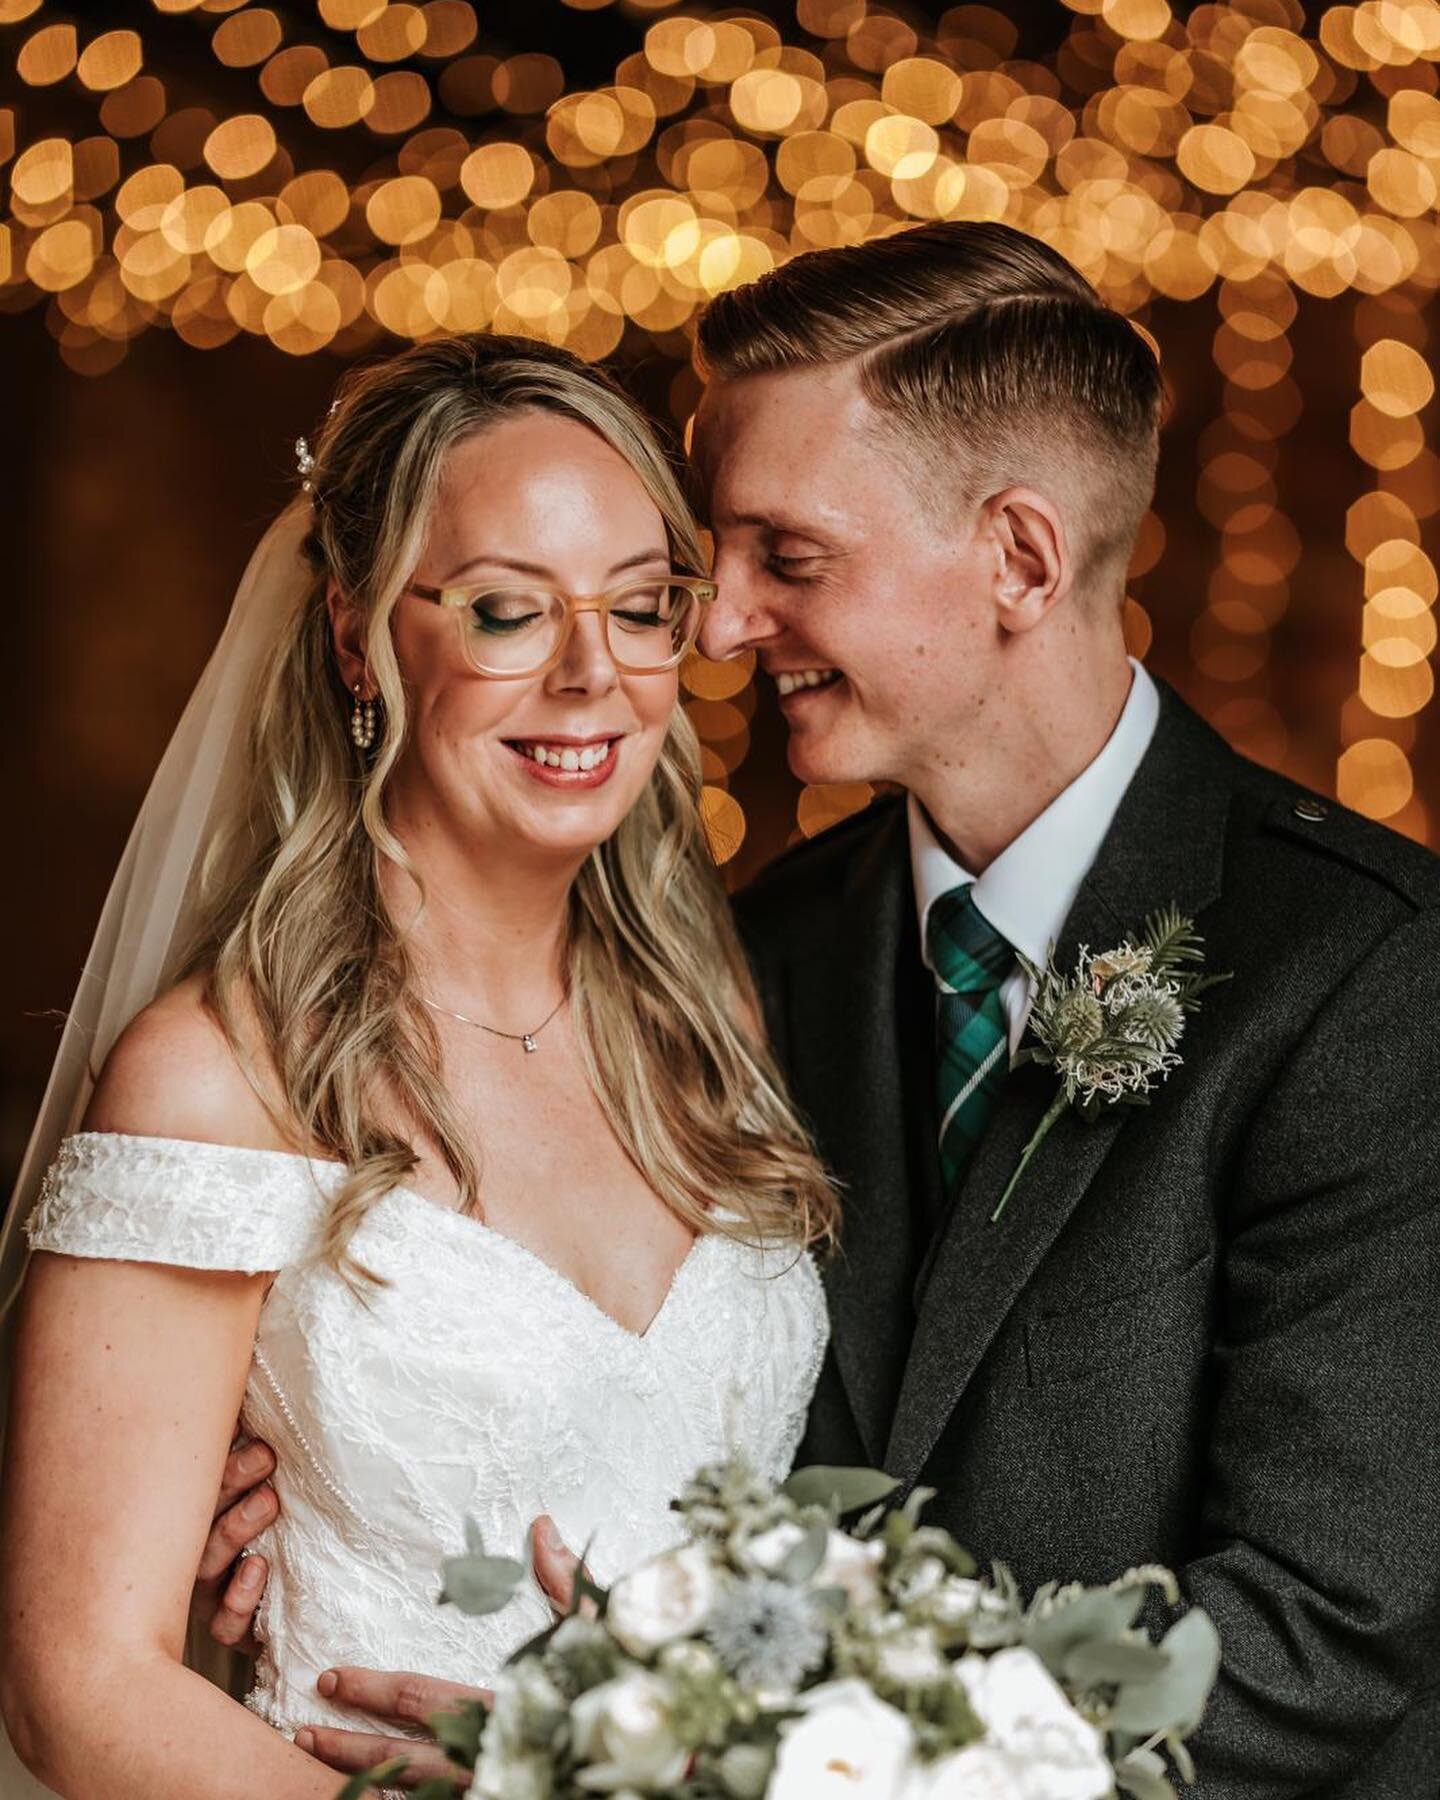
x=1142 y=1774
x=438 y=1787
x=458 y=1734
x=844 y=1490
x=1175 y=1700
x=366 y=1779
x=480 y=1584
x=535 y=1645
x=586 y=1588
x=918 y=1499
x=807 y=1556
x=870 y=1521
x=1101 y=1613
x=1115 y=1659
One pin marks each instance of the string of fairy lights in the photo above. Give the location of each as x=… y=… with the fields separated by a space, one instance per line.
x=390 y=176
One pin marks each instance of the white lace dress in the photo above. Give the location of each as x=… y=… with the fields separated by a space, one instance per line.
x=480 y=1382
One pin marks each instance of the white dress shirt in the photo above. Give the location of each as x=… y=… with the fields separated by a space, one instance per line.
x=1027 y=892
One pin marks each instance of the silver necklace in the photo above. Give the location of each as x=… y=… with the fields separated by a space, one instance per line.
x=527 y=1038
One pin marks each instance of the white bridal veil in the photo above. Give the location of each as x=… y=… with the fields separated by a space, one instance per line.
x=151 y=910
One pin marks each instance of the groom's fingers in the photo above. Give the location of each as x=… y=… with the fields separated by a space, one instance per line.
x=233 y=1618
x=235 y=1528
x=248 y=1463
x=556 y=1564
x=408 y=1699
x=351 y=1751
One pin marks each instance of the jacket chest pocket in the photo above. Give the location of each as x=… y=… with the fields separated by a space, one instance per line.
x=1165 y=1321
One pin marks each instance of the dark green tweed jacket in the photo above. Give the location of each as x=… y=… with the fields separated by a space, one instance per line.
x=1205 y=1332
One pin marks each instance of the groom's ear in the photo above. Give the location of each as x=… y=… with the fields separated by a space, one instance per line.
x=1032 y=561
x=347 y=626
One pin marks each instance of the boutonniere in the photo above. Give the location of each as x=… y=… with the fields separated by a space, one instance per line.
x=1110 y=1030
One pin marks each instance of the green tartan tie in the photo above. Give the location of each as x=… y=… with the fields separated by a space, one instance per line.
x=970 y=960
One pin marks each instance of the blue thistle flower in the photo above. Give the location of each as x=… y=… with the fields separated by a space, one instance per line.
x=767 y=1633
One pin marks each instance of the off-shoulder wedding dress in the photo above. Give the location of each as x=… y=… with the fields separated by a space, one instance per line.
x=479 y=1383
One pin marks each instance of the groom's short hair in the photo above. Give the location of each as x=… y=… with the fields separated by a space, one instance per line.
x=984 y=347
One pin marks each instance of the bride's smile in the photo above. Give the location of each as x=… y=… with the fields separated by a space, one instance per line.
x=456 y=1153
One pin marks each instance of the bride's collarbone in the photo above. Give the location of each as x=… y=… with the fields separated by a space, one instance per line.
x=556 y=1181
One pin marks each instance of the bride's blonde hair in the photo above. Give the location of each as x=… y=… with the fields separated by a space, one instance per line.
x=306 y=962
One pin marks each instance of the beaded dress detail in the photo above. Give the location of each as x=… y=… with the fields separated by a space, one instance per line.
x=480 y=1382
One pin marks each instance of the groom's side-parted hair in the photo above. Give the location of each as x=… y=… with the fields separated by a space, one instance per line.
x=990 y=354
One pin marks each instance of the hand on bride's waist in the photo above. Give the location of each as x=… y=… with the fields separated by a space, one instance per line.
x=401 y=1697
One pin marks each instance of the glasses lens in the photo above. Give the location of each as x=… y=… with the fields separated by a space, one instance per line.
x=510 y=630
x=651 y=624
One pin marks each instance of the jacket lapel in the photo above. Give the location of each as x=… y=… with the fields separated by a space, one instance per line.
x=1164 y=847
x=856 y=1022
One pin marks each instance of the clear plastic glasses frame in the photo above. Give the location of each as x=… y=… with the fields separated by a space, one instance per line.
x=464 y=602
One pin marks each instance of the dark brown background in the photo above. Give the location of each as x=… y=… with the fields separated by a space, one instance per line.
x=133 y=500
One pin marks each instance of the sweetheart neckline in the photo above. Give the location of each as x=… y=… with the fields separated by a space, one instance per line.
x=481 y=1227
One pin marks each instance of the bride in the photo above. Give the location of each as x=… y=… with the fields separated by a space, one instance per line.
x=439 y=1137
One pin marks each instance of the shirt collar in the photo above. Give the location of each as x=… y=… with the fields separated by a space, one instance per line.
x=1029 y=889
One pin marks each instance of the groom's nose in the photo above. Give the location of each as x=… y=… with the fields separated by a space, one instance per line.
x=734 y=620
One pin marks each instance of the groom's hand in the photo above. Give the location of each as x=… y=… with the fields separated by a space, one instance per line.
x=406 y=1699
x=403 y=1699
x=229 y=1586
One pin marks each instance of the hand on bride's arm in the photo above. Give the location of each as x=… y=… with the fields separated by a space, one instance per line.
x=229 y=1584
x=407 y=1699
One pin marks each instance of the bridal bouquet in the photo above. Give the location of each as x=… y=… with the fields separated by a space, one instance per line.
x=776 y=1657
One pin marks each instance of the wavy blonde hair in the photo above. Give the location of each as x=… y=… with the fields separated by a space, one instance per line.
x=305 y=962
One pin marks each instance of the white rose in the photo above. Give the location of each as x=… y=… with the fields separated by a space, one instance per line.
x=922 y=1580
x=849 y=1564
x=955 y=1599
x=852 y=1565
x=768 y=1549
x=960 y=1597
x=910 y=1659
x=503 y=1774
x=848 y=1746
x=624 y=1731
x=978 y=1772
x=666 y=1598
x=1026 y=1714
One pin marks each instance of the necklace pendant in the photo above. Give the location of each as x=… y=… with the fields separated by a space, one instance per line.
x=530 y=1045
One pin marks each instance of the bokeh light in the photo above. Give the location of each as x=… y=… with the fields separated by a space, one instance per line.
x=374 y=170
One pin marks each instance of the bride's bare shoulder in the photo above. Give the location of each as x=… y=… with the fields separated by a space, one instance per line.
x=174 y=1073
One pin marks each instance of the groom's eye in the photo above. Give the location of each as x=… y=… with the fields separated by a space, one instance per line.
x=792 y=568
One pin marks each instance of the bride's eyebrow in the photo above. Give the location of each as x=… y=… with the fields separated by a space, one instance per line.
x=641 y=559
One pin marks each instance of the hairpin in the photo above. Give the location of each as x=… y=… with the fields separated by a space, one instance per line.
x=304 y=463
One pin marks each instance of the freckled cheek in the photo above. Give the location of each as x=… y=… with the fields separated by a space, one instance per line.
x=454 y=713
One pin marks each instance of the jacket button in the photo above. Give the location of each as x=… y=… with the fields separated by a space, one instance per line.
x=1312 y=810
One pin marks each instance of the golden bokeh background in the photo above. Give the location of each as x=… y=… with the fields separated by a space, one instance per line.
x=207 y=207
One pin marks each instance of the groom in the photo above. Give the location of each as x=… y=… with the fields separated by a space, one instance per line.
x=1205 y=1332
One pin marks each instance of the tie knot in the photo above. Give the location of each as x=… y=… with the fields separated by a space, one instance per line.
x=967 y=953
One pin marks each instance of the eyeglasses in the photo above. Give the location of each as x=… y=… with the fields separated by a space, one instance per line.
x=508 y=632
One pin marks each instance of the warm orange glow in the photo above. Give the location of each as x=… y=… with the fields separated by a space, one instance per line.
x=1250 y=160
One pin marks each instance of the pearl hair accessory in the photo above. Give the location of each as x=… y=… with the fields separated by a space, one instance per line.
x=304 y=463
